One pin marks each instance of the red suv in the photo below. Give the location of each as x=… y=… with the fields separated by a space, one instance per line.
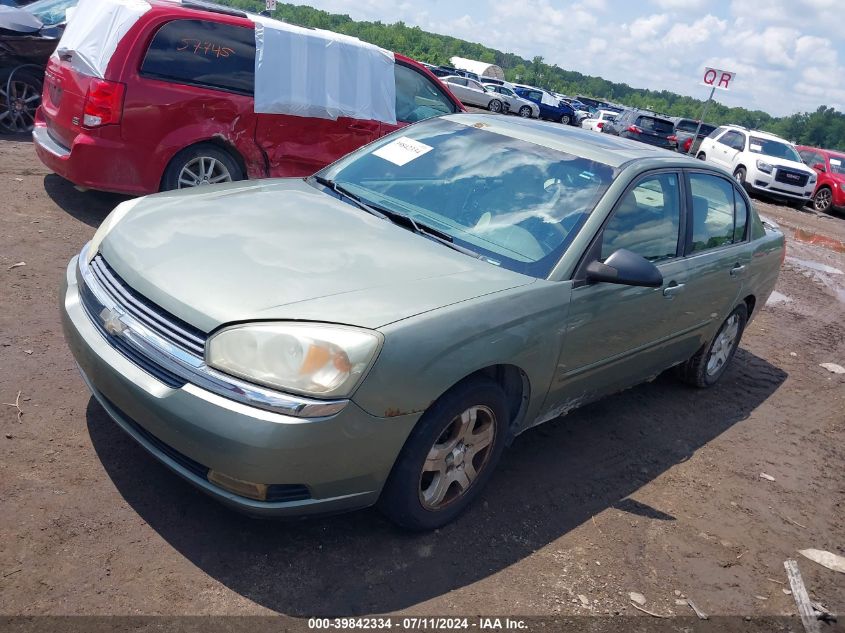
x=175 y=109
x=830 y=166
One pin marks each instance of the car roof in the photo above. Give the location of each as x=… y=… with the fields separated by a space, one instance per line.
x=604 y=148
x=821 y=150
x=758 y=133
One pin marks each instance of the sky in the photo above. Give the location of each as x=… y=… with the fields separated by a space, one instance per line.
x=788 y=55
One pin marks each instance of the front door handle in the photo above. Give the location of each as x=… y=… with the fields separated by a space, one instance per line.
x=672 y=290
x=738 y=268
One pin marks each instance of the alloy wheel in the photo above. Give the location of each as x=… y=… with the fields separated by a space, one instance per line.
x=18 y=106
x=203 y=170
x=823 y=199
x=525 y=112
x=457 y=457
x=722 y=347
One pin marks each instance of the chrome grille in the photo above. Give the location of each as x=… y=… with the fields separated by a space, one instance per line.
x=150 y=315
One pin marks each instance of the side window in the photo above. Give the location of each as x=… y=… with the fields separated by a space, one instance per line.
x=715 y=133
x=203 y=53
x=715 y=221
x=646 y=220
x=460 y=81
x=739 y=143
x=417 y=98
x=729 y=138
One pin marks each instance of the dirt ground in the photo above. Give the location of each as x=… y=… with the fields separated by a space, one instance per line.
x=657 y=490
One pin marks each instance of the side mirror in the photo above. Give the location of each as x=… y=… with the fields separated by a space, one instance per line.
x=819 y=167
x=625 y=268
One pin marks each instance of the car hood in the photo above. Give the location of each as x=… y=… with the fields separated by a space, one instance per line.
x=784 y=162
x=281 y=249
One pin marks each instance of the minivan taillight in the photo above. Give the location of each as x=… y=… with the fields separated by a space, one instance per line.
x=103 y=103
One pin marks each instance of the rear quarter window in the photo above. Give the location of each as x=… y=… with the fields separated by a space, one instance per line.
x=203 y=53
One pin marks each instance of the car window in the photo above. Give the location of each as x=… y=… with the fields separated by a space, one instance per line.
x=771 y=147
x=50 y=12
x=474 y=84
x=646 y=220
x=460 y=81
x=715 y=133
x=837 y=164
x=686 y=125
x=715 y=220
x=417 y=98
x=203 y=53
x=653 y=124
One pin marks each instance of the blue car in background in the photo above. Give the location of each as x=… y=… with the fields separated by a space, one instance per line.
x=551 y=108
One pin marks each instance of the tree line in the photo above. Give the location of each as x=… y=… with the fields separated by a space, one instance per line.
x=823 y=128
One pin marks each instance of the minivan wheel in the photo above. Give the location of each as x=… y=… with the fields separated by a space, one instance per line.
x=495 y=106
x=448 y=457
x=525 y=112
x=19 y=99
x=707 y=366
x=200 y=165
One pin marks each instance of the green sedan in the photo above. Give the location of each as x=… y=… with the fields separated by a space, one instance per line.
x=379 y=332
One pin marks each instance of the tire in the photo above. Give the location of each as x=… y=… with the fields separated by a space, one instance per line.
x=823 y=200
x=565 y=119
x=412 y=497
x=495 y=106
x=698 y=371
x=17 y=109
x=701 y=156
x=739 y=176
x=195 y=159
x=525 y=112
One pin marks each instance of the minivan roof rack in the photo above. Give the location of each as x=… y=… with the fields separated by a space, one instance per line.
x=213 y=7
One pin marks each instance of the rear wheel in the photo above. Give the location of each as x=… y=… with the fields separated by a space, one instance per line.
x=448 y=457
x=823 y=200
x=19 y=99
x=495 y=106
x=525 y=112
x=200 y=165
x=707 y=366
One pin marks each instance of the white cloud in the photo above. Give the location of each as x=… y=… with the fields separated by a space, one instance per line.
x=686 y=5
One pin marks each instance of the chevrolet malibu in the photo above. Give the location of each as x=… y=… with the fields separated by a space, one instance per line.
x=378 y=333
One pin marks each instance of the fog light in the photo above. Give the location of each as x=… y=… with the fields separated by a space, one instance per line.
x=240 y=487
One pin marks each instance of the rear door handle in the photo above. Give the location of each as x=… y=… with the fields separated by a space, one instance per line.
x=672 y=290
x=738 y=268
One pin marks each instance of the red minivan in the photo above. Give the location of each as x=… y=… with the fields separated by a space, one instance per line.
x=162 y=120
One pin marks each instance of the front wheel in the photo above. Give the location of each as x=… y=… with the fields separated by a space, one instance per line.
x=823 y=200
x=707 y=366
x=200 y=165
x=448 y=457
x=739 y=176
x=495 y=106
x=565 y=119
x=525 y=112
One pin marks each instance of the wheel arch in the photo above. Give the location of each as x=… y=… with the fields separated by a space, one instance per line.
x=219 y=141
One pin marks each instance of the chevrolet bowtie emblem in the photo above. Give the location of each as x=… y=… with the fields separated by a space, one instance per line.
x=111 y=322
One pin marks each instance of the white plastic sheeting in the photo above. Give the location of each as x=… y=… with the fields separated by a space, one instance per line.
x=482 y=69
x=315 y=73
x=94 y=30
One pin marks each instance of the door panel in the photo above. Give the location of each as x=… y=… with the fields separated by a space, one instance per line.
x=620 y=335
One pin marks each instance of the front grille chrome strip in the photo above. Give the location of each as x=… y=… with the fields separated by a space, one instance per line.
x=178 y=361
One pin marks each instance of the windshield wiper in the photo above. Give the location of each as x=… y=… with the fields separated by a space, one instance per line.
x=341 y=191
x=397 y=218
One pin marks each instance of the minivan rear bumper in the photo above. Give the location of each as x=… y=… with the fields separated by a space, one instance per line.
x=91 y=162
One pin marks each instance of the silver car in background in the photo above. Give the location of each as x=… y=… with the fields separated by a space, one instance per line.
x=522 y=107
x=473 y=93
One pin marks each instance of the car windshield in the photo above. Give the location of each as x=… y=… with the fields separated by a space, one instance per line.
x=775 y=149
x=837 y=164
x=51 y=12
x=515 y=203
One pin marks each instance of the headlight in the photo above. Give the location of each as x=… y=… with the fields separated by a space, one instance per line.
x=108 y=224
x=308 y=358
x=812 y=178
x=763 y=166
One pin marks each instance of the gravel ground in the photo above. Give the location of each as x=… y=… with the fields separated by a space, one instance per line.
x=656 y=490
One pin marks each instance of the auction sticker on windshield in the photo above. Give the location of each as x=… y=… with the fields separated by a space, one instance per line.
x=403 y=150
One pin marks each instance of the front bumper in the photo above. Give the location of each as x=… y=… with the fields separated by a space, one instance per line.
x=340 y=462
x=765 y=183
